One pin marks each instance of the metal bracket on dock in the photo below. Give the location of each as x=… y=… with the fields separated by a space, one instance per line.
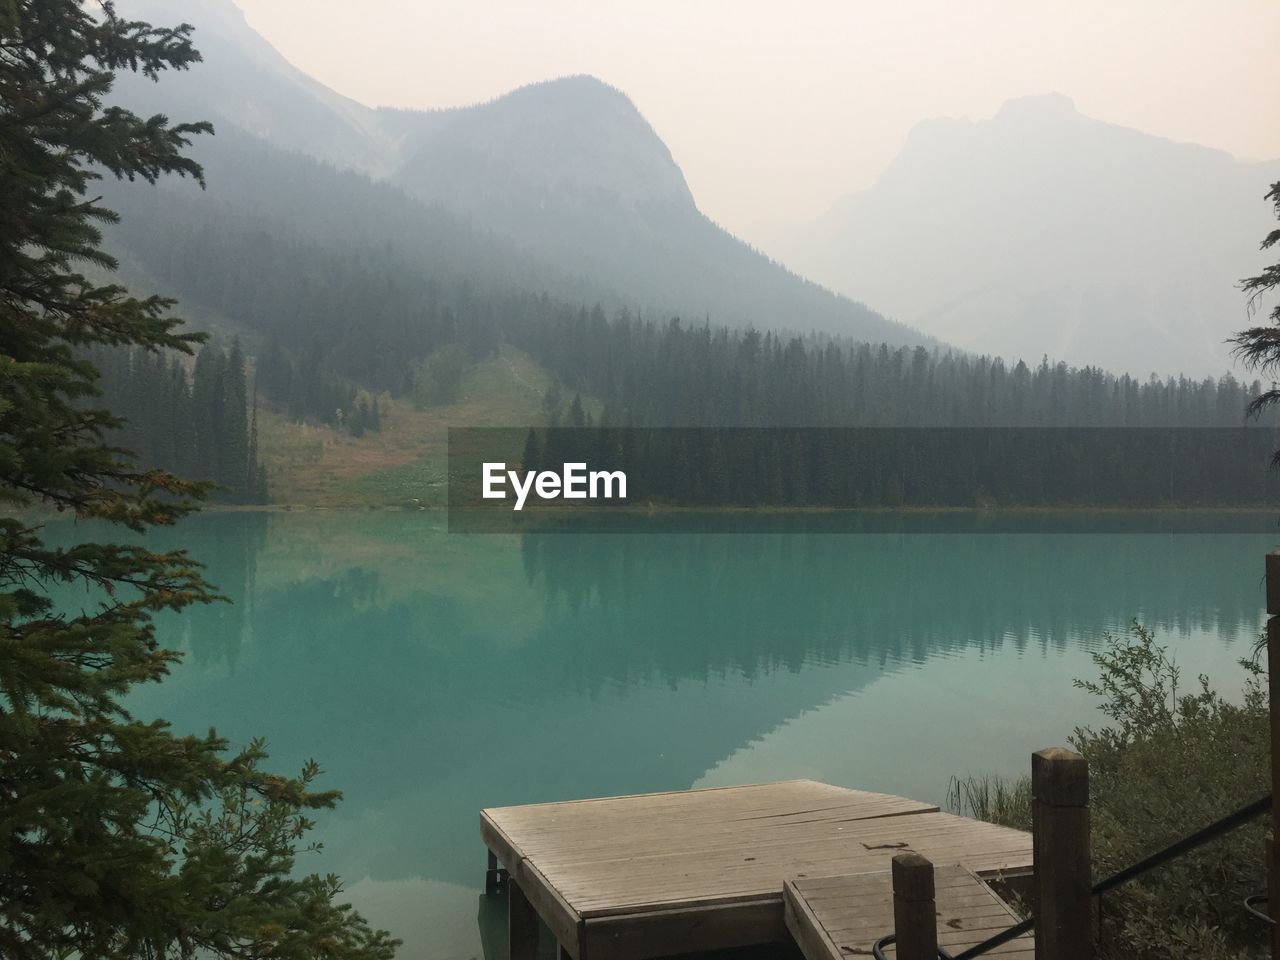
x=495 y=878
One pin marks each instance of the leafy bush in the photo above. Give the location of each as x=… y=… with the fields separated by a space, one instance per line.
x=437 y=380
x=1168 y=763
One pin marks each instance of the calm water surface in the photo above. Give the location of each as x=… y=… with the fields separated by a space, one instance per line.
x=433 y=675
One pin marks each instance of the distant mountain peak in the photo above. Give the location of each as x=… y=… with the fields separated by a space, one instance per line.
x=571 y=91
x=1051 y=106
x=573 y=136
x=1041 y=229
x=578 y=86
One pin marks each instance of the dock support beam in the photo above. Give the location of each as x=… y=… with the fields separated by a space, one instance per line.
x=1272 y=857
x=522 y=925
x=495 y=877
x=1060 y=849
x=915 y=916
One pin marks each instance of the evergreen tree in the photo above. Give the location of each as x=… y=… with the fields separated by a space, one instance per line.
x=256 y=474
x=166 y=425
x=551 y=404
x=1259 y=347
x=206 y=402
x=120 y=839
x=359 y=418
x=235 y=422
x=531 y=459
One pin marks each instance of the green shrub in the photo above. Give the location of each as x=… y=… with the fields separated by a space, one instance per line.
x=1168 y=763
x=437 y=380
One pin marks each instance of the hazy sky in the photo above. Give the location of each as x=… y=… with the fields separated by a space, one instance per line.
x=775 y=109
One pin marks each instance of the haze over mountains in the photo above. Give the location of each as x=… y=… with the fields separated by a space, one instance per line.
x=565 y=174
x=1038 y=231
x=1043 y=231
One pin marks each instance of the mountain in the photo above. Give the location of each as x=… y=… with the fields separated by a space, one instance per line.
x=573 y=141
x=566 y=173
x=244 y=82
x=1041 y=230
x=570 y=169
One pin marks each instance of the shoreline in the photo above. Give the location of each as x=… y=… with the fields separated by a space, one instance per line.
x=662 y=509
x=666 y=509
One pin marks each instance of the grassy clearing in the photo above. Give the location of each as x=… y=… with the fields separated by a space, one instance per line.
x=317 y=466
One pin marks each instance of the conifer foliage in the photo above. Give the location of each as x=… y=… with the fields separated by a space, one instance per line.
x=198 y=424
x=307 y=390
x=1259 y=347
x=118 y=838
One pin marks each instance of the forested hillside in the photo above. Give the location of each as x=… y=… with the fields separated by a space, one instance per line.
x=863 y=425
x=677 y=374
x=289 y=253
x=335 y=331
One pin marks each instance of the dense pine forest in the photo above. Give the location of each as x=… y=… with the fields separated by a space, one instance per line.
x=200 y=423
x=676 y=374
x=306 y=390
x=1070 y=440
x=889 y=467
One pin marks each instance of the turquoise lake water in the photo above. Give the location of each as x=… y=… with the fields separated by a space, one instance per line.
x=435 y=674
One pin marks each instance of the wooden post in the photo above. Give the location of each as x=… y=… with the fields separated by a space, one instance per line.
x=1271 y=862
x=1273 y=583
x=522 y=924
x=915 y=917
x=1060 y=851
x=1273 y=880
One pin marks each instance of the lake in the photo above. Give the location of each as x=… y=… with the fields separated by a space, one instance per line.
x=435 y=674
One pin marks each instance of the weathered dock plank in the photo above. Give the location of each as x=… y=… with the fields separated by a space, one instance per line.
x=654 y=874
x=841 y=917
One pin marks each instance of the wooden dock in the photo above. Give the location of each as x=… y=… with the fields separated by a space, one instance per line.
x=834 y=918
x=623 y=878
